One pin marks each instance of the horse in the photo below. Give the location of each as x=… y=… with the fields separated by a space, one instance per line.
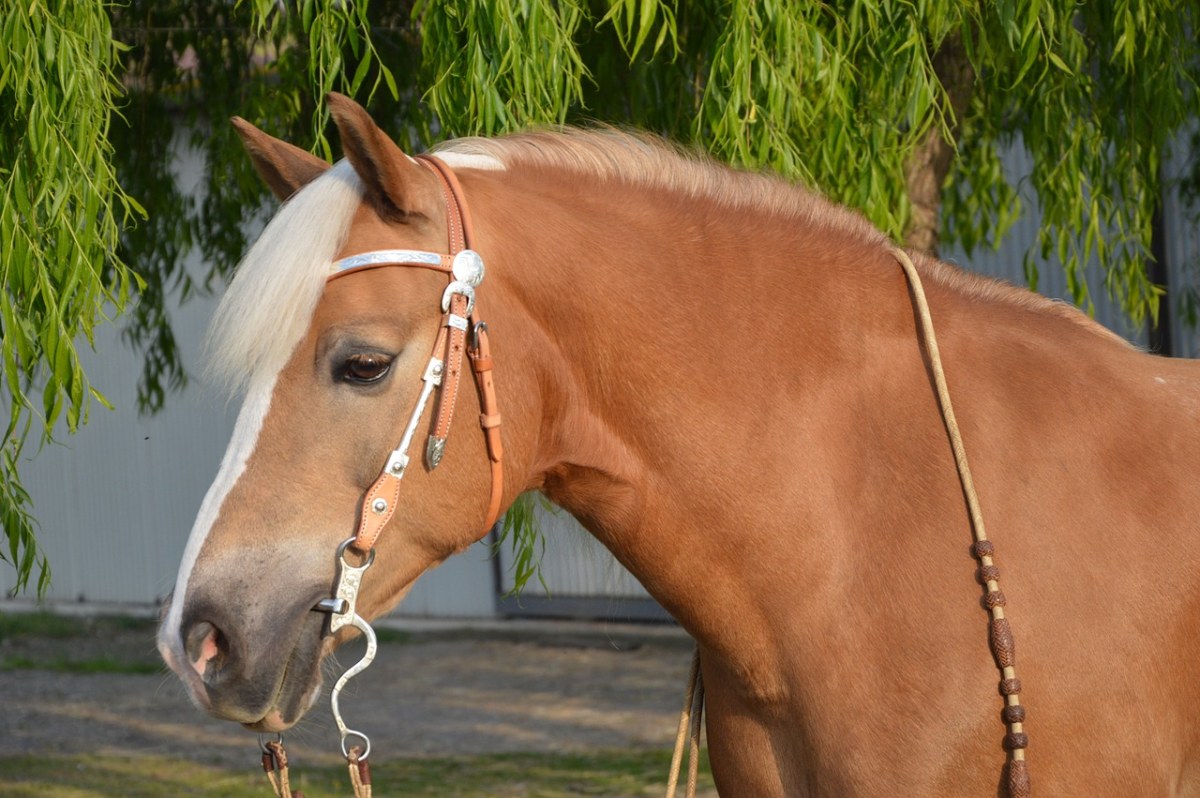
x=721 y=376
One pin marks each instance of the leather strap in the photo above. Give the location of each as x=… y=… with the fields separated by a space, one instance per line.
x=445 y=367
x=458 y=235
x=480 y=351
x=489 y=419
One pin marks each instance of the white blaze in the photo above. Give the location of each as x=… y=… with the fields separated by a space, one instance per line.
x=251 y=339
x=233 y=465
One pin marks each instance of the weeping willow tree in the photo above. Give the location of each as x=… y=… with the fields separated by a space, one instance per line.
x=897 y=108
x=61 y=214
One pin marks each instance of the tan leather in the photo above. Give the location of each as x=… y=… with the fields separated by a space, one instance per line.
x=458 y=239
x=453 y=361
x=459 y=234
x=371 y=523
x=489 y=418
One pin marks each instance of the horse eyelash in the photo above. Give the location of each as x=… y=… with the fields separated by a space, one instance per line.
x=344 y=370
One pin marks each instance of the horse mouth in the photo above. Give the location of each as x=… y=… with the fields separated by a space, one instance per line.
x=300 y=680
x=296 y=692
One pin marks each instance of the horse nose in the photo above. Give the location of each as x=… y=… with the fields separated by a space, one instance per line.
x=207 y=649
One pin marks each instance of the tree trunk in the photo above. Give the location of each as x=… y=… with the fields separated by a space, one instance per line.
x=930 y=162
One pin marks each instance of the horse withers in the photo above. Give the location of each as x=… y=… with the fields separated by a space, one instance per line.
x=720 y=375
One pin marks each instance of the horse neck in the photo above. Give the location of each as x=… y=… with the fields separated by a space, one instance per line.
x=678 y=344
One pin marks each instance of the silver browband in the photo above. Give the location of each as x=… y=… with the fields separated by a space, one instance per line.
x=383 y=257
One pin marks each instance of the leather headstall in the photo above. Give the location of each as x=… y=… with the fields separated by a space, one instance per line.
x=465 y=269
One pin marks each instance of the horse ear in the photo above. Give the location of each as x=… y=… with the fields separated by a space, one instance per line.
x=285 y=168
x=396 y=185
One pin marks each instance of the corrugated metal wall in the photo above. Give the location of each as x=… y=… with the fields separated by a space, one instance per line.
x=579 y=578
x=1181 y=230
x=116 y=501
x=1182 y=255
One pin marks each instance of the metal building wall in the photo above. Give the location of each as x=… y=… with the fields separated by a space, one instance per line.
x=579 y=578
x=1182 y=254
x=1181 y=231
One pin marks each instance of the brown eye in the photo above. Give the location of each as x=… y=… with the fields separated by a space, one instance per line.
x=365 y=367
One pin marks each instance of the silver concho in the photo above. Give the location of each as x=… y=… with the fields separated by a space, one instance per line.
x=467 y=267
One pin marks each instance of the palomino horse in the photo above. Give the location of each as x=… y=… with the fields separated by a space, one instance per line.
x=720 y=375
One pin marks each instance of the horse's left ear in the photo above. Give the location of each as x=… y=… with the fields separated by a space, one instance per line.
x=285 y=168
x=396 y=185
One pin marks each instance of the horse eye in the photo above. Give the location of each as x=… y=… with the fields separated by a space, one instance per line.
x=365 y=368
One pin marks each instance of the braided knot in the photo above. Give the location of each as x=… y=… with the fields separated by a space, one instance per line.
x=994 y=598
x=988 y=573
x=1000 y=637
x=1018 y=779
x=1014 y=741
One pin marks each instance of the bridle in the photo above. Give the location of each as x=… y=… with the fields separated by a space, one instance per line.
x=466 y=271
x=460 y=317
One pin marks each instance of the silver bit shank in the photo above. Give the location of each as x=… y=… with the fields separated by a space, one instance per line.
x=372 y=646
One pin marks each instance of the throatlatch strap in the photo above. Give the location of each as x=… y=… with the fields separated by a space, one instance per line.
x=489 y=419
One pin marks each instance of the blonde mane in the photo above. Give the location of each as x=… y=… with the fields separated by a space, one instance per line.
x=647 y=160
x=278 y=283
x=643 y=159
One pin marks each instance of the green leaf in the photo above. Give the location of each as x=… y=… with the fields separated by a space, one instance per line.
x=101 y=398
x=1058 y=62
x=360 y=74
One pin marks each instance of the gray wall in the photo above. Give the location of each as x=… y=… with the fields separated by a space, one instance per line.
x=1182 y=255
x=116 y=501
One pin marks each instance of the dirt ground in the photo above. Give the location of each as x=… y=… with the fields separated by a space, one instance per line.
x=554 y=688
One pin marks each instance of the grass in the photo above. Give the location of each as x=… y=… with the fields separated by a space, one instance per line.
x=68 y=644
x=385 y=635
x=39 y=624
x=605 y=774
x=44 y=641
x=51 y=625
x=65 y=665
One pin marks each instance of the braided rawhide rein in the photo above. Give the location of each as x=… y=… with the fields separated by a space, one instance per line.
x=1000 y=636
x=275 y=765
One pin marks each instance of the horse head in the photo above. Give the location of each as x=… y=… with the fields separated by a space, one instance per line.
x=331 y=370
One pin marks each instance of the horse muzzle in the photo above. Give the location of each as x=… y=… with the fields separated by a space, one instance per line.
x=258 y=669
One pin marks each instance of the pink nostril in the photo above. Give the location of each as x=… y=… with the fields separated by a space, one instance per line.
x=205 y=644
